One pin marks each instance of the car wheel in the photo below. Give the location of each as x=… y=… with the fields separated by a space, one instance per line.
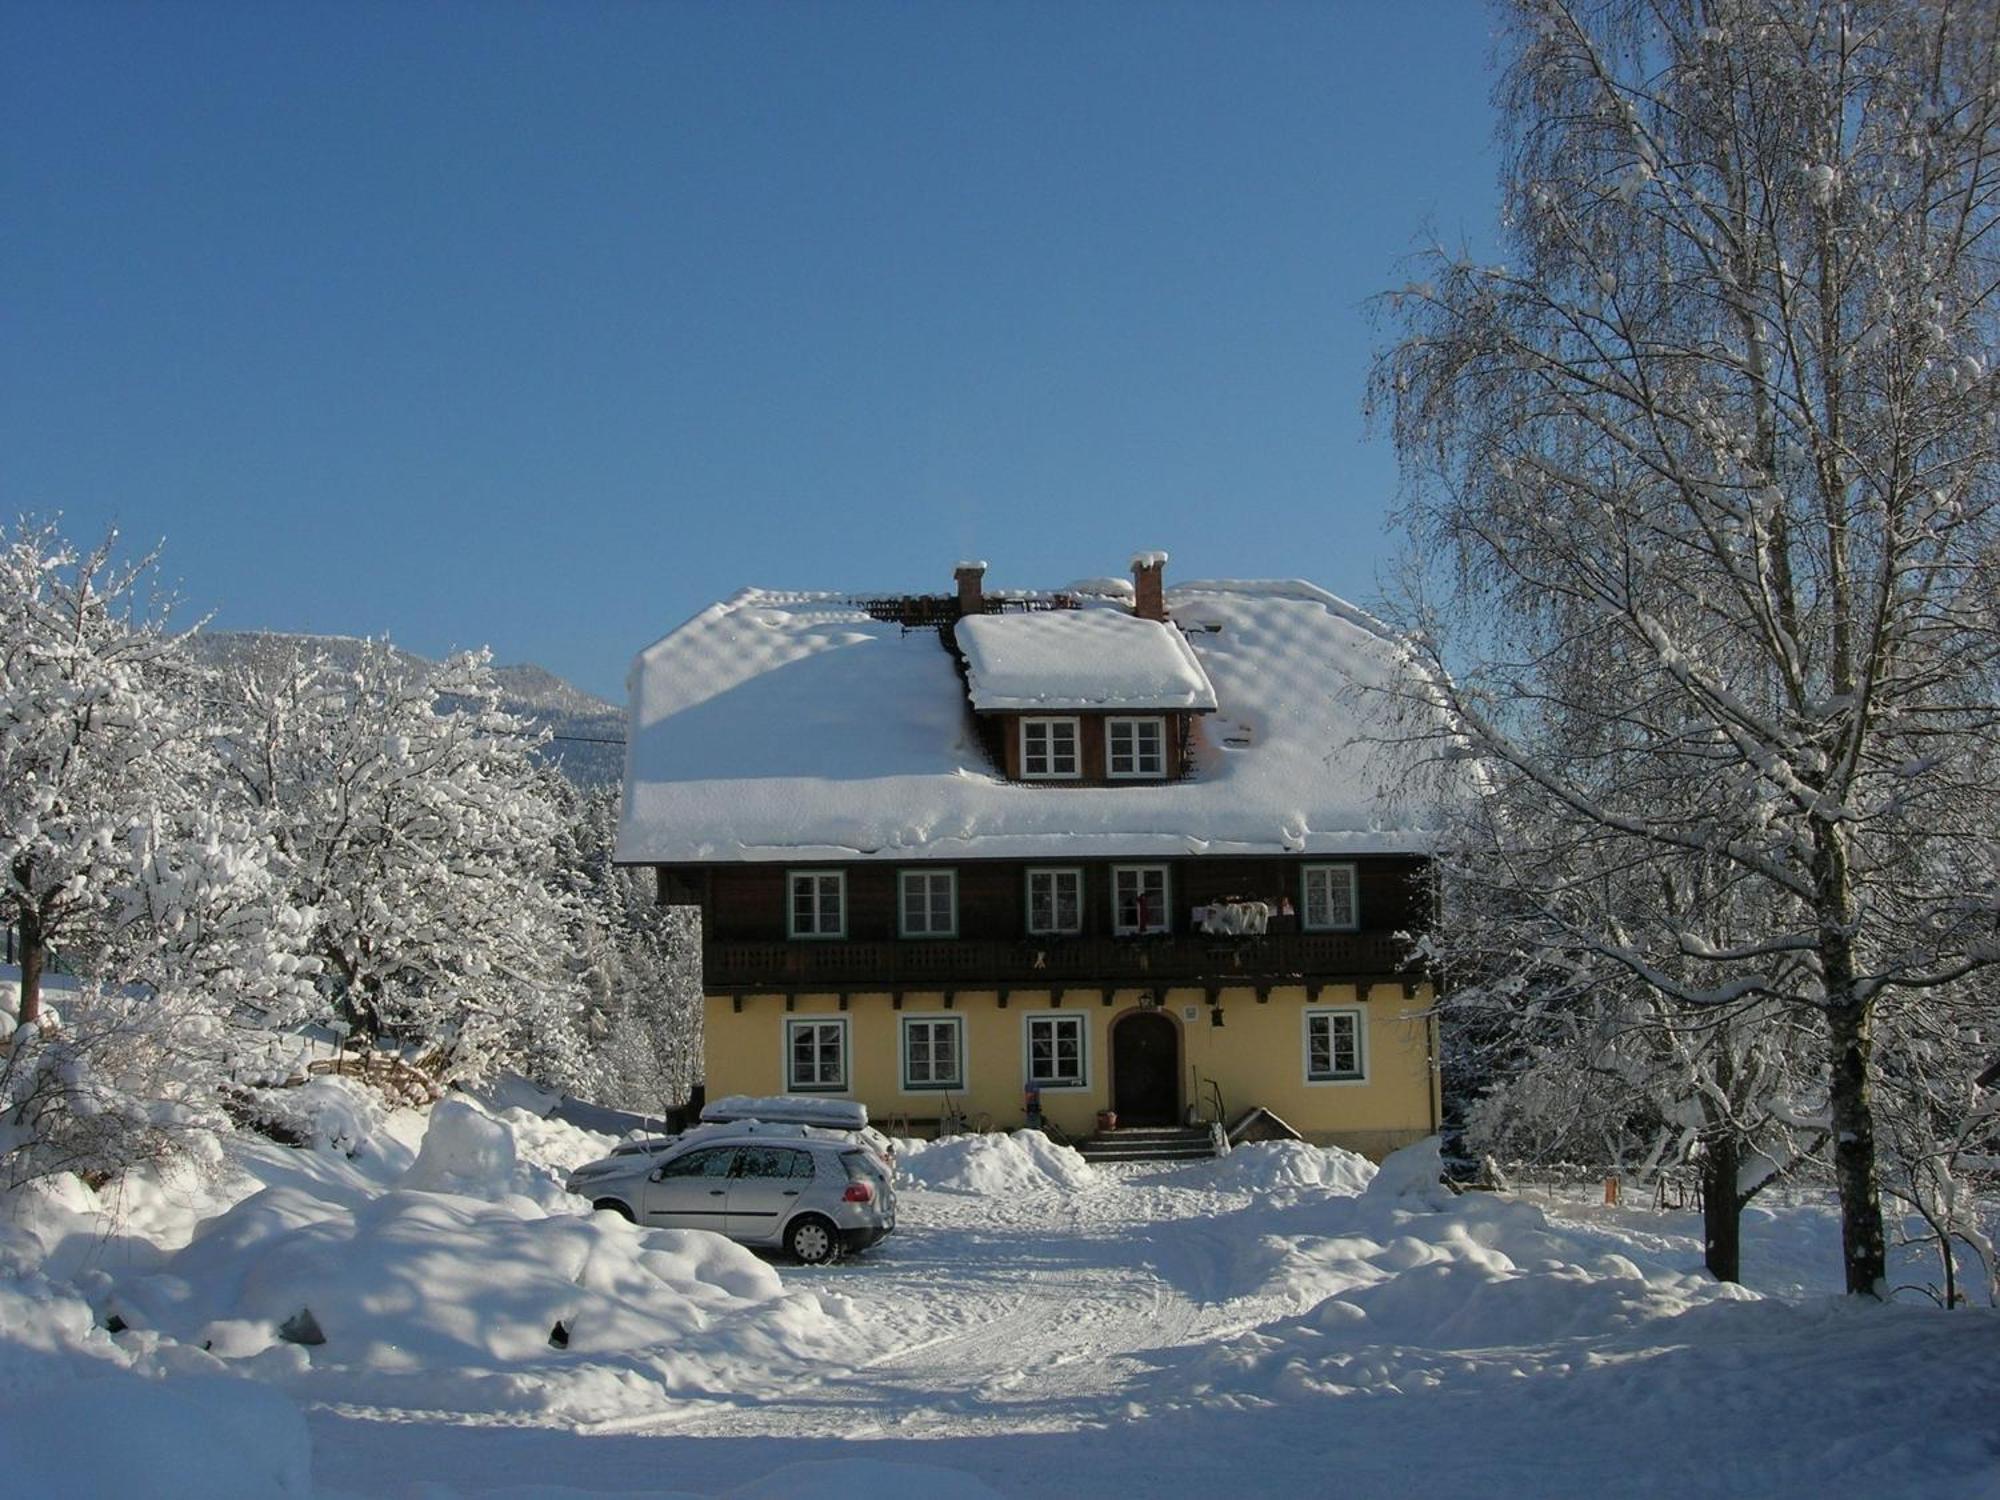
x=812 y=1241
x=615 y=1206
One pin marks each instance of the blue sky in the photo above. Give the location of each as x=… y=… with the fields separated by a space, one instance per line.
x=542 y=326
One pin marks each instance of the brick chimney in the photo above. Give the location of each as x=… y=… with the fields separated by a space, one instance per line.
x=971 y=597
x=1149 y=600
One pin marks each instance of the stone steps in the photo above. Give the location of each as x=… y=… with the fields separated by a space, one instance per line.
x=1150 y=1143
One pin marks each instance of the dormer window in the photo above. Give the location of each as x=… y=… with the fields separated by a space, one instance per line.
x=1049 y=750
x=1135 y=749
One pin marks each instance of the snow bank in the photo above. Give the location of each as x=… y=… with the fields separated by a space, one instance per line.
x=1389 y=1279
x=469 y=1306
x=1025 y=1161
x=421 y=1278
x=1277 y=1170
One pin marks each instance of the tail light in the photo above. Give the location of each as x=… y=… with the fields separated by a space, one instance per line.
x=858 y=1192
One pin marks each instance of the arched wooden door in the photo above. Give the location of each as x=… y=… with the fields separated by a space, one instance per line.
x=1146 y=1069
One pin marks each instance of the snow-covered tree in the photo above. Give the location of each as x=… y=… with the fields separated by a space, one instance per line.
x=1707 y=479
x=1566 y=1054
x=1940 y=1133
x=93 y=744
x=166 y=912
x=412 y=819
x=639 y=963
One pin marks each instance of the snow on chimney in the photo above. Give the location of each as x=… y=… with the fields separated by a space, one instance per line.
x=1149 y=600
x=971 y=598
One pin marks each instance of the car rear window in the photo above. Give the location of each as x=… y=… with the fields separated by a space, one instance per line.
x=860 y=1167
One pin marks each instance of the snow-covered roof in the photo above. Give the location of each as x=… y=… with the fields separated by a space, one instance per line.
x=793 y=726
x=1080 y=658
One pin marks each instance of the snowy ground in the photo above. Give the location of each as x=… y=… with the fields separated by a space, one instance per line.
x=1274 y=1324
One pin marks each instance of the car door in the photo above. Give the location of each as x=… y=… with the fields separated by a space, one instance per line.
x=764 y=1187
x=691 y=1191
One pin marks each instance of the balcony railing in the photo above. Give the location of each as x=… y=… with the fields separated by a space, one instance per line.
x=1277 y=958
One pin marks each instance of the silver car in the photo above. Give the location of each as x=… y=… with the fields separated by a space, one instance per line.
x=809 y=1196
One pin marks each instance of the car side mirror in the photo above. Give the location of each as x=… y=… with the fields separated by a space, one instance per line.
x=656 y=1174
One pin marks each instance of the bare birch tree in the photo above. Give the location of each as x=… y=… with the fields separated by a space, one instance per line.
x=1707 y=482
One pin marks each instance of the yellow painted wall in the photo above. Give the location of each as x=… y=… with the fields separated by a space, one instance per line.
x=1257 y=1056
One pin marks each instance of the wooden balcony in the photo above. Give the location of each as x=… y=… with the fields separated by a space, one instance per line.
x=1278 y=958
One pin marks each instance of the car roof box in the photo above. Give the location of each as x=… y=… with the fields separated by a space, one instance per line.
x=787 y=1109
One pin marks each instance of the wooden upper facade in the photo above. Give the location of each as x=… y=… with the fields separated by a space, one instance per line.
x=1206 y=920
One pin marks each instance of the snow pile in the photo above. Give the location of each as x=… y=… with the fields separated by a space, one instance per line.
x=1413 y=1177
x=510 y=1157
x=1025 y=1161
x=1276 y=1170
x=466 y=1151
x=552 y=1143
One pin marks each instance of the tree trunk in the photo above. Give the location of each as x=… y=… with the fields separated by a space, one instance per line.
x=34 y=953
x=1721 y=1210
x=1861 y=1239
x=1849 y=1089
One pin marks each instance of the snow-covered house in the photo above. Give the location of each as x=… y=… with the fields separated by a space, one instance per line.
x=1118 y=846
